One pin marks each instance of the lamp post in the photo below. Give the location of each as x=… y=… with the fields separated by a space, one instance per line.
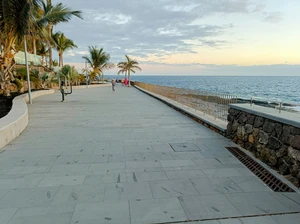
x=27 y=70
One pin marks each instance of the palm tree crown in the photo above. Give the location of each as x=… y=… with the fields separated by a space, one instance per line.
x=128 y=66
x=98 y=60
x=61 y=45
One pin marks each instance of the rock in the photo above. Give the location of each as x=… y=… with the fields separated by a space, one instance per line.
x=294 y=170
x=274 y=143
x=240 y=132
x=235 y=125
x=293 y=180
x=251 y=139
x=268 y=126
x=231 y=111
x=284 y=168
x=258 y=122
x=229 y=129
x=282 y=152
x=235 y=112
x=248 y=146
x=260 y=147
x=230 y=118
x=293 y=153
x=248 y=128
x=295 y=142
x=263 y=137
x=295 y=131
x=243 y=118
x=255 y=132
x=241 y=143
x=251 y=119
x=286 y=134
x=277 y=130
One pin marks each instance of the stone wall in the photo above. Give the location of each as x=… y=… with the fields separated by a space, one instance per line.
x=275 y=143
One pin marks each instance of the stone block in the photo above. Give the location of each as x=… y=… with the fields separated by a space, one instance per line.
x=295 y=142
x=268 y=126
x=240 y=132
x=274 y=143
x=295 y=131
x=248 y=128
x=286 y=134
x=263 y=137
x=251 y=139
x=251 y=119
x=235 y=125
x=258 y=122
x=277 y=131
x=293 y=153
x=255 y=132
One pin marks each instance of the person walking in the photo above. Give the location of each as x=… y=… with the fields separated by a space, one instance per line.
x=113 y=84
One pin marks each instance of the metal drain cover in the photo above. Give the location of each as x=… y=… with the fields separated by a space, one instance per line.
x=262 y=173
x=184 y=147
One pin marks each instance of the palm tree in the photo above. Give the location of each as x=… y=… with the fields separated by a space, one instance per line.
x=98 y=61
x=62 y=44
x=16 y=19
x=55 y=14
x=69 y=73
x=122 y=67
x=128 y=66
x=43 y=52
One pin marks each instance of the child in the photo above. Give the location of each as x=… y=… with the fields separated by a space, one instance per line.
x=113 y=83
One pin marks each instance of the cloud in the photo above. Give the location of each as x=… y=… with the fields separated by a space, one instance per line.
x=273 y=17
x=152 y=27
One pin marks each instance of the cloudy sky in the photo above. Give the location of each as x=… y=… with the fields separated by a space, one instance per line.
x=192 y=37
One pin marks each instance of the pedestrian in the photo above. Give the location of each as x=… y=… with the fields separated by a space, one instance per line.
x=113 y=84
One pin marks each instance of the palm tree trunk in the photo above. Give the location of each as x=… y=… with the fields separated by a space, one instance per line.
x=50 y=27
x=128 y=78
x=61 y=63
x=34 y=46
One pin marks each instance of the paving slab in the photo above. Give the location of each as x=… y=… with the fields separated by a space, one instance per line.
x=156 y=211
x=208 y=207
x=102 y=213
x=106 y=158
x=172 y=188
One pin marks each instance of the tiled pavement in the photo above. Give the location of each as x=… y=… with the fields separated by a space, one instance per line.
x=105 y=157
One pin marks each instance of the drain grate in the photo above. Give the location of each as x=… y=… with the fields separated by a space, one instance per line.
x=268 y=178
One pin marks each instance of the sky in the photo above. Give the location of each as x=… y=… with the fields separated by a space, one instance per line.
x=190 y=37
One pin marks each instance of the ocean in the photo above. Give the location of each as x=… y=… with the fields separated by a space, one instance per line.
x=268 y=88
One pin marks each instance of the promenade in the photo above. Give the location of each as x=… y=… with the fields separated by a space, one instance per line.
x=103 y=157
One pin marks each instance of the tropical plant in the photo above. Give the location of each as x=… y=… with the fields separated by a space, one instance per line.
x=35 y=77
x=98 y=61
x=55 y=63
x=54 y=14
x=61 y=45
x=43 y=51
x=68 y=73
x=122 y=67
x=15 y=23
x=26 y=18
x=128 y=66
x=45 y=79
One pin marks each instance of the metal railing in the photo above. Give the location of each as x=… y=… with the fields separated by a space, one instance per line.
x=213 y=104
